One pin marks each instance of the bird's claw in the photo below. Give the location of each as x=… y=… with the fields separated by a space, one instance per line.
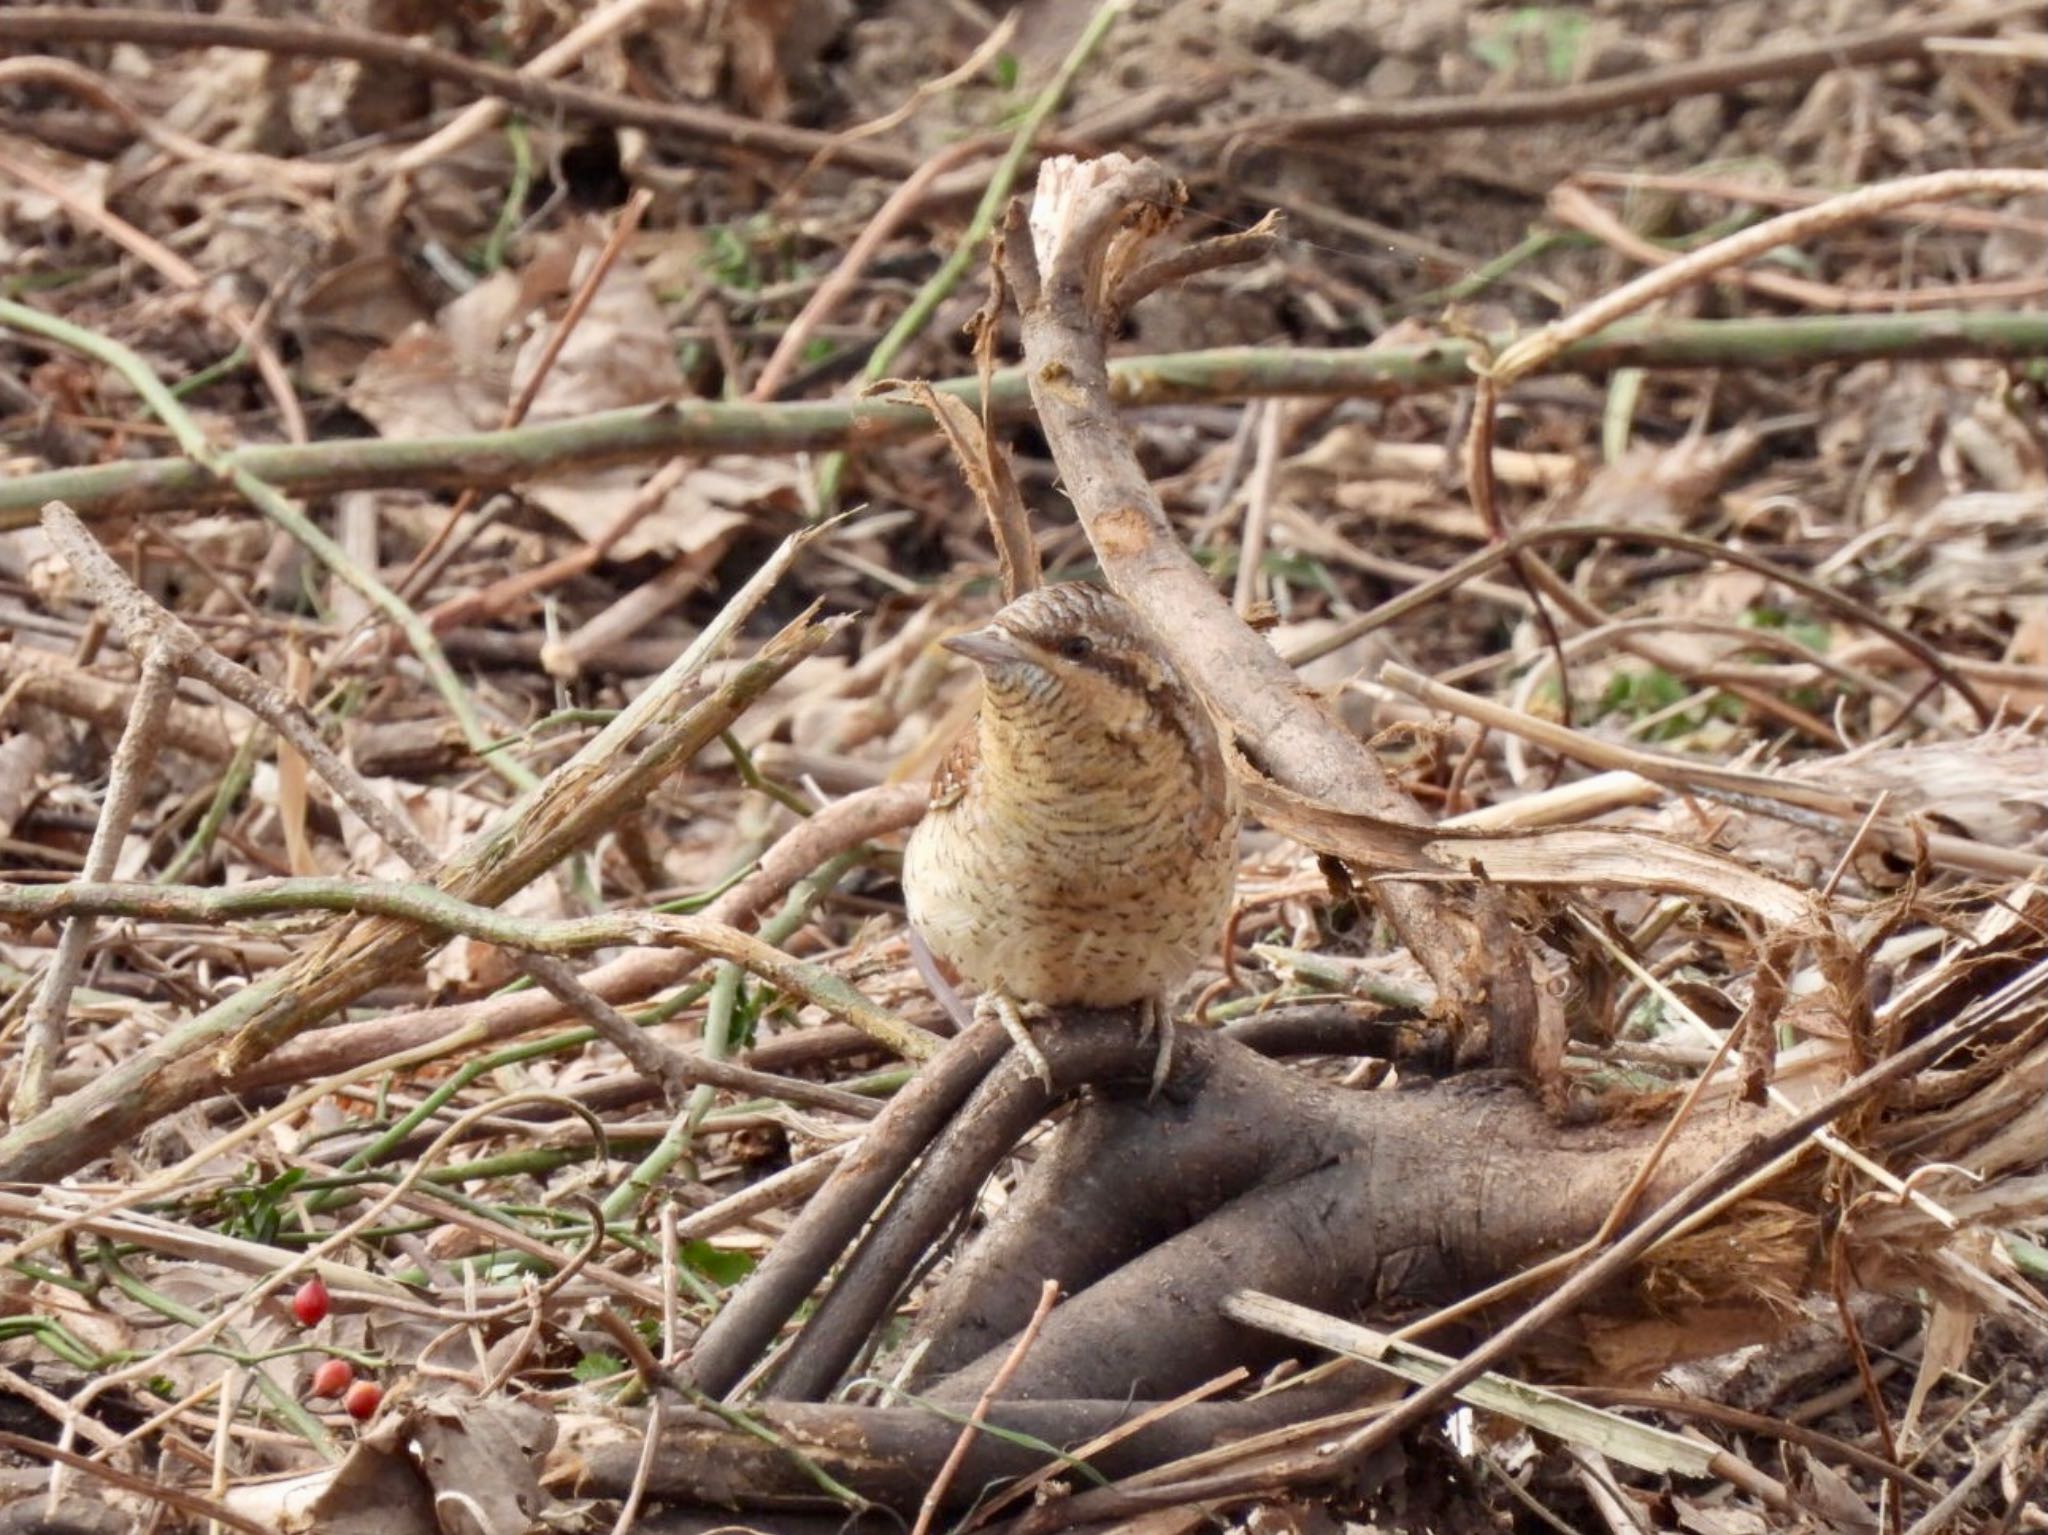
x=1006 y=1012
x=1155 y=1017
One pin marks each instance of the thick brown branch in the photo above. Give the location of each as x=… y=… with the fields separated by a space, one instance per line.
x=1695 y=77
x=172 y=29
x=1006 y=1104
x=890 y=1454
x=1279 y=724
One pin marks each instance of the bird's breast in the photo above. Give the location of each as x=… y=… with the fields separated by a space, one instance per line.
x=1098 y=898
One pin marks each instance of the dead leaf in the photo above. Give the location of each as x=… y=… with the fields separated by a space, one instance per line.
x=480 y=1458
x=420 y=386
x=1581 y=856
x=986 y=468
x=350 y=311
x=1661 y=487
x=1727 y=1519
x=618 y=354
x=1950 y=1329
x=373 y=1492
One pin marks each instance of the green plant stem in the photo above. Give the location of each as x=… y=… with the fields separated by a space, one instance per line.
x=752 y=776
x=1537 y=242
x=717 y=1044
x=796 y=909
x=918 y=314
x=493 y=460
x=268 y=500
x=240 y=770
x=54 y=1336
x=234 y=362
x=449 y=915
x=514 y=208
x=286 y=1406
x=735 y=1418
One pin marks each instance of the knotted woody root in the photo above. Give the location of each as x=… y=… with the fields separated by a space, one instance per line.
x=1245 y=1174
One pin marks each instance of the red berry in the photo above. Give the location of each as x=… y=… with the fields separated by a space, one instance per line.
x=362 y=1400
x=309 y=1302
x=332 y=1378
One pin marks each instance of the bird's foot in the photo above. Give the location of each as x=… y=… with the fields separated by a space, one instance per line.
x=1154 y=1016
x=1006 y=1011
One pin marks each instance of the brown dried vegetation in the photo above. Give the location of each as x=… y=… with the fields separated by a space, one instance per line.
x=466 y=526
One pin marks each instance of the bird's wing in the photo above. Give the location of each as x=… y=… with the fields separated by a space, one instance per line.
x=957 y=768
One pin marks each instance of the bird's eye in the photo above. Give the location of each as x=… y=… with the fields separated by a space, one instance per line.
x=1076 y=647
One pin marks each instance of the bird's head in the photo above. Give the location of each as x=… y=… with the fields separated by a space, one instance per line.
x=1073 y=658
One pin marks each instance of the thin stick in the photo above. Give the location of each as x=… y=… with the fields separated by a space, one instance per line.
x=1025 y=1486
x=1983 y=220
x=555 y=59
x=772 y=1192
x=1191 y=260
x=1494 y=554
x=147 y=1490
x=1047 y=1295
x=1540 y=349
x=593 y=788
x=470 y=606
x=2025 y=1428
x=43 y=1028
x=1759 y=791
x=969 y=247
x=144 y=625
x=181 y=273
x=1695 y=77
x=579 y=304
x=1571 y=205
x=140 y=620
x=268 y=500
x=844 y=277
x=1258 y=511
x=450 y=915
x=303 y=178
x=629 y=1510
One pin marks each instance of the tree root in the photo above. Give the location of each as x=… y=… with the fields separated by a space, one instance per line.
x=1244 y=1173
x=888 y=1454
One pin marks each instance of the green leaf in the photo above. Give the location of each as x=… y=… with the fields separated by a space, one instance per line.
x=597 y=1366
x=1560 y=32
x=720 y=1265
x=1496 y=50
x=1564 y=33
x=1636 y=693
x=1812 y=633
x=255 y=1211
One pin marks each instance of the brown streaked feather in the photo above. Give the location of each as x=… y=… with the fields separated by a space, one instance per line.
x=956 y=769
x=1081 y=843
x=1179 y=714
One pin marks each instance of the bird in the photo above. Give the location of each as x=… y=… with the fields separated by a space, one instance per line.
x=1079 y=847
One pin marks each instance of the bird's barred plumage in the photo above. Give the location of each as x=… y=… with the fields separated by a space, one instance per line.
x=1081 y=844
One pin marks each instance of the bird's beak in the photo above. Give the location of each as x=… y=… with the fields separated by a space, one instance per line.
x=986 y=647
